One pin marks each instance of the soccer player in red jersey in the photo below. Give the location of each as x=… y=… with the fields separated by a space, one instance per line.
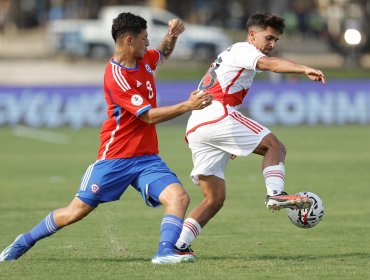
x=221 y=131
x=128 y=153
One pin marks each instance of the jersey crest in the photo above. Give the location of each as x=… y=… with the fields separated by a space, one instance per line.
x=136 y=100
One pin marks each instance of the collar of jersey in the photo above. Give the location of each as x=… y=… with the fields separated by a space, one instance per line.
x=126 y=68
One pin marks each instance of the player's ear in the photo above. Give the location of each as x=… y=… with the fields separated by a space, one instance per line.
x=129 y=40
x=251 y=35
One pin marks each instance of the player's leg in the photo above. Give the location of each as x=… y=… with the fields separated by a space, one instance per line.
x=274 y=152
x=74 y=212
x=160 y=186
x=169 y=192
x=53 y=222
x=250 y=136
x=214 y=191
x=175 y=202
x=210 y=162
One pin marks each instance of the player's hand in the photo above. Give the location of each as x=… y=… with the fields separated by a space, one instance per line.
x=199 y=100
x=315 y=75
x=175 y=27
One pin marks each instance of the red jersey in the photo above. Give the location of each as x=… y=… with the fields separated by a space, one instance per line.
x=129 y=92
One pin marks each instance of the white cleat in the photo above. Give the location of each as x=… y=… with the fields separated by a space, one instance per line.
x=172 y=257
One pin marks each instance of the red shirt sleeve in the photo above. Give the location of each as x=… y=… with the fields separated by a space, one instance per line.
x=154 y=57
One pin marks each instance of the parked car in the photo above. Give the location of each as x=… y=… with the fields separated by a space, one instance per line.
x=93 y=37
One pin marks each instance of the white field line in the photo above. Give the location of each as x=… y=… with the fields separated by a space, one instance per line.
x=41 y=135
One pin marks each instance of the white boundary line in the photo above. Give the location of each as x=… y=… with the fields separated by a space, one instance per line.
x=41 y=135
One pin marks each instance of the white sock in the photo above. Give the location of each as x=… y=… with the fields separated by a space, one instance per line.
x=190 y=230
x=274 y=178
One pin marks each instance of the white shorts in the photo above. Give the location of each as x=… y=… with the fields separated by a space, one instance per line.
x=212 y=144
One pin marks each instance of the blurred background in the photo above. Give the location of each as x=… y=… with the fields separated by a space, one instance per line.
x=337 y=27
x=55 y=50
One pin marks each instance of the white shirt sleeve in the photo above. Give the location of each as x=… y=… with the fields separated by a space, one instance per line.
x=245 y=55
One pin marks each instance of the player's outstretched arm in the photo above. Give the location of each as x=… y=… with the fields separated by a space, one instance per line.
x=197 y=100
x=167 y=45
x=281 y=65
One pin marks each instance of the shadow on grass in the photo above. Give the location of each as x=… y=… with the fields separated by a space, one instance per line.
x=295 y=258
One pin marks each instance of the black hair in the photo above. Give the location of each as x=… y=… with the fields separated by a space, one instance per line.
x=264 y=20
x=127 y=23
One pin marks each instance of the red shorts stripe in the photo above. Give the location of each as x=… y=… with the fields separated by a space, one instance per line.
x=250 y=121
x=247 y=122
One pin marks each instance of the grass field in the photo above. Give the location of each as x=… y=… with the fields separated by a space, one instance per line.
x=244 y=241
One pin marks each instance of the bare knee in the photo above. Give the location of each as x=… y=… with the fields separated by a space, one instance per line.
x=75 y=215
x=74 y=212
x=271 y=143
x=282 y=148
x=214 y=192
x=182 y=200
x=174 y=198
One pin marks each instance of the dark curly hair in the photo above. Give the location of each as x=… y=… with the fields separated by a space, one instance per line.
x=127 y=23
x=264 y=20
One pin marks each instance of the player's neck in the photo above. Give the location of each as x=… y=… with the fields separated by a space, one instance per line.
x=124 y=59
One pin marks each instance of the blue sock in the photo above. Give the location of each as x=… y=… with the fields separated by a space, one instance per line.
x=170 y=232
x=44 y=229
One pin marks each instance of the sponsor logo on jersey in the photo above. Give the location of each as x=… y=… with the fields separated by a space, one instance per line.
x=136 y=100
x=147 y=67
x=138 y=83
x=95 y=188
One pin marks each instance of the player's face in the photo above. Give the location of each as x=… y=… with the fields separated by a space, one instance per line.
x=140 y=43
x=264 y=40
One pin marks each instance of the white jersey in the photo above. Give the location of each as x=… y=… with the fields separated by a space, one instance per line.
x=228 y=79
x=220 y=130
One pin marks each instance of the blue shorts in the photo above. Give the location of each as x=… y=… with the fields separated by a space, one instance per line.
x=107 y=180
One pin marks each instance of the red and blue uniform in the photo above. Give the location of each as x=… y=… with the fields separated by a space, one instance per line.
x=128 y=146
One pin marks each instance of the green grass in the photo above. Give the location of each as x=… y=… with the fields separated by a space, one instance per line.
x=244 y=241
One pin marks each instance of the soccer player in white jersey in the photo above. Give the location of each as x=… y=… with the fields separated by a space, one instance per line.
x=220 y=132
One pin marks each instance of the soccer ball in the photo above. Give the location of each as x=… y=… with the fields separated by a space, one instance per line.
x=310 y=217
